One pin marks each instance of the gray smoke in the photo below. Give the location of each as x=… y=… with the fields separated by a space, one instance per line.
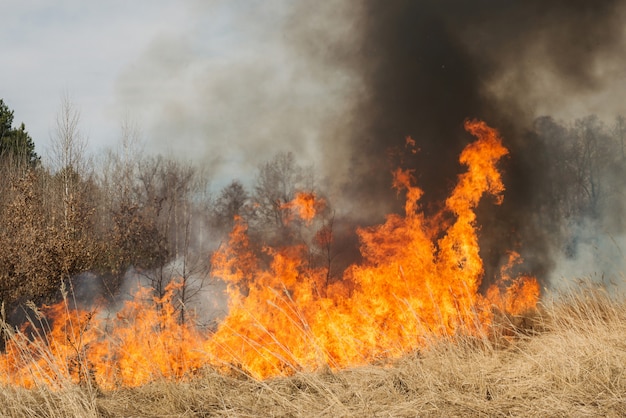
x=237 y=86
x=428 y=65
x=341 y=83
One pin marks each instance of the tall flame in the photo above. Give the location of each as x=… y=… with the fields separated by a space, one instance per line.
x=419 y=278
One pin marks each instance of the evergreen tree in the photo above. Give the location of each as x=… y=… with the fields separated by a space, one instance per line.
x=15 y=143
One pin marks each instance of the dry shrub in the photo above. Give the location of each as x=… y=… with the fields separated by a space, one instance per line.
x=42 y=245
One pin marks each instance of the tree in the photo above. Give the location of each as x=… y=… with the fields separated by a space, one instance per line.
x=582 y=169
x=6 y=119
x=169 y=189
x=580 y=164
x=15 y=143
x=230 y=203
x=68 y=150
x=592 y=158
x=156 y=222
x=619 y=131
x=277 y=183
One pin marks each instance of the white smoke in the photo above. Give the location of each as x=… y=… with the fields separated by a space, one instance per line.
x=592 y=253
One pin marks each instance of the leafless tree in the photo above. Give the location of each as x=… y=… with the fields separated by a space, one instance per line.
x=232 y=201
x=277 y=183
x=619 y=131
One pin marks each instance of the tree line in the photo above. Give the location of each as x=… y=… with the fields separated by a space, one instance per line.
x=152 y=216
x=582 y=165
x=155 y=216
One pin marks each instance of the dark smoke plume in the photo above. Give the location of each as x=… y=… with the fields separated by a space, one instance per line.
x=343 y=83
x=426 y=66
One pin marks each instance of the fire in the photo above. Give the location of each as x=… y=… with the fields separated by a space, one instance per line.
x=145 y=341
x=519 y=294
x=306 y=205
x=419 y=279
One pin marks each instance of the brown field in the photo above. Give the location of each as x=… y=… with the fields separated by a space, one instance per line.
x=566 y=359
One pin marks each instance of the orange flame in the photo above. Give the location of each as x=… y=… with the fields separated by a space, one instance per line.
x=306 y=205
x=419 y=278
x=144 y=342
x=513 y=295
x=411 y=285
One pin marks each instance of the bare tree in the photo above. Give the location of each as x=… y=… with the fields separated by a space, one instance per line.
x=159 y=200
x=231 y=202
x=592 y=153
x=619 y=131
x=68 y=158
x=277 y=183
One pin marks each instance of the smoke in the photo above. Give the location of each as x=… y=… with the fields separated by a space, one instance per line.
x=230 y=90
x=341 y=83
x=428 y=65
x=593 y=253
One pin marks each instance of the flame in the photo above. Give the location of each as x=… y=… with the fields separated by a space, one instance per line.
x=410 y=286
x=514 y=295
x=144 y=342
x=305 y=204
x=419 y=279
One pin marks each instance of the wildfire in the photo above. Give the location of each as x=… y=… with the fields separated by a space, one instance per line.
x=306 y=205
x=418 y=279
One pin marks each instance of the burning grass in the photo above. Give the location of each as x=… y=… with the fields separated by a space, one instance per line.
x=404 y=332
x=564 y=359
x=419 y=279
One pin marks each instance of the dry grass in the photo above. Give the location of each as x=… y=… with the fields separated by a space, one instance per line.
x=566 y=360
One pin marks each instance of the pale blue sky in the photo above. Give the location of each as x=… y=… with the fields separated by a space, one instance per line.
x=77 y=47
x=214 y=81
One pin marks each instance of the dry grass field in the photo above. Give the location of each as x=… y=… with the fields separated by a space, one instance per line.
x=567 y=359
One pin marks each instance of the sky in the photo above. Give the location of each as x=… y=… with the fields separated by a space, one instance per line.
x=223 y=83
x=209 y=81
